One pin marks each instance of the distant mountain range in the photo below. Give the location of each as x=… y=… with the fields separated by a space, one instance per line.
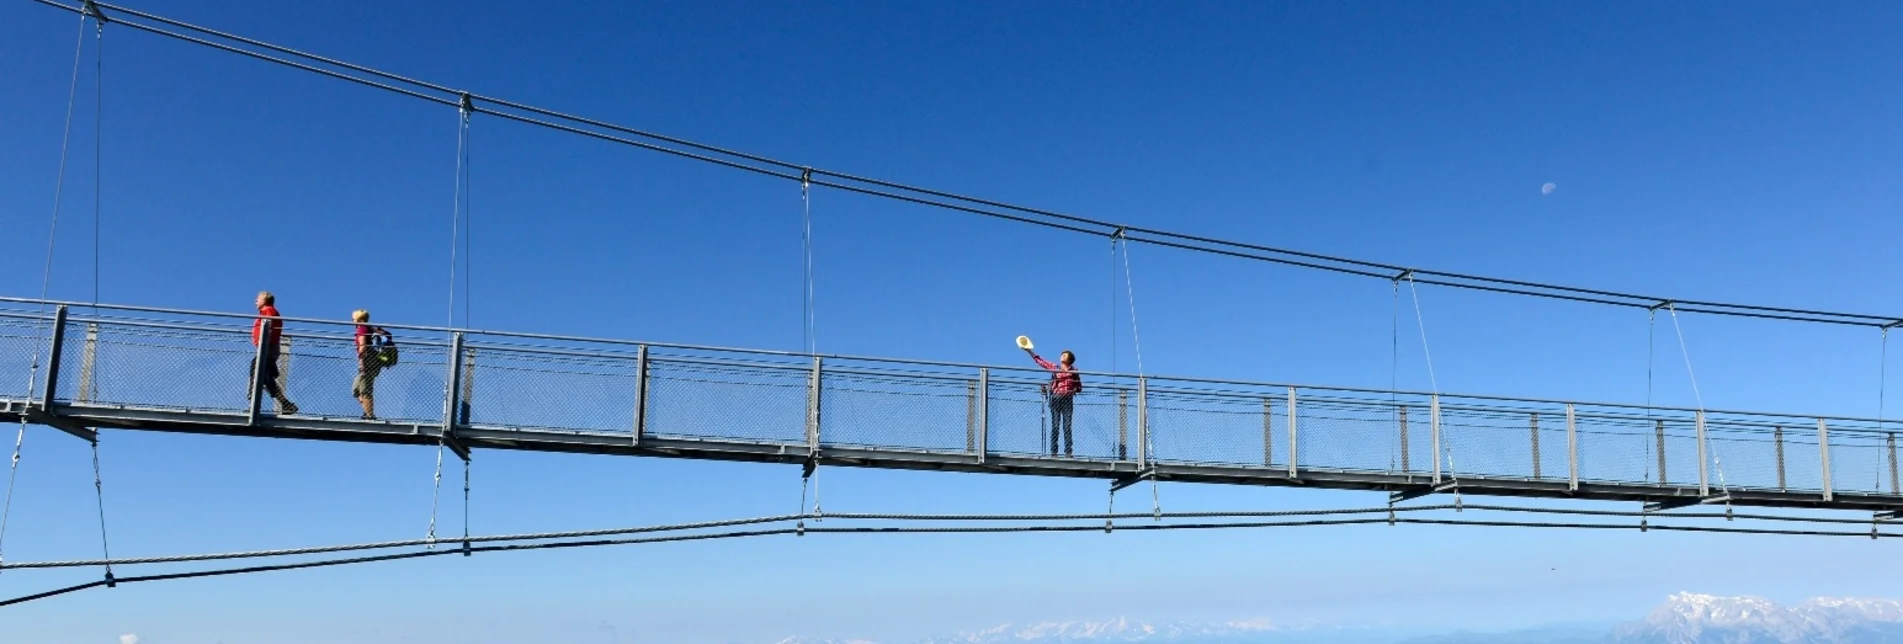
x=1684 y=618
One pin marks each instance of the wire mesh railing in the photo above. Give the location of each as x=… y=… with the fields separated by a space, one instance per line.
x=158 y=361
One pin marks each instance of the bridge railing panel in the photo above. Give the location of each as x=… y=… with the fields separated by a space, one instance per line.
x=1207 y=428
x=1348 y=436
x=1858 y=464
x=547 y=389
x=1741 y=460
x=23 y=335
x=757 y=402
x=1616 y=450
x=926 y=412
x=1019 y=420
x=1681 y=455
x=135 y=364
x=1418 y=458
x=320 y=372
x=1487 y=444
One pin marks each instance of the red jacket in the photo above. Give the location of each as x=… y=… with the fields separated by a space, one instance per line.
x=1064 y=382
x=268 y=324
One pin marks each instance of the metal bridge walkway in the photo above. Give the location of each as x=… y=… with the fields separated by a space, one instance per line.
x=80 y=368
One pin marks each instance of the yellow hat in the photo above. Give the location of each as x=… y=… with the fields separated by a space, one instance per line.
x=1024 y=342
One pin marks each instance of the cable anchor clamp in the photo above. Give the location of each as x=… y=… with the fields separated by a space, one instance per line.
x=466 y=104
x=806 y=178
x=91 y=9
x=1405 y=274
x=1663 y=304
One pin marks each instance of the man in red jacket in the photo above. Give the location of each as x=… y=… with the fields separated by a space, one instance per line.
x=264 y=334
x=1065 y=384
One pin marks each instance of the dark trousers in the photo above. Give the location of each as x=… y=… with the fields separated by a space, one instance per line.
x=1061 y=407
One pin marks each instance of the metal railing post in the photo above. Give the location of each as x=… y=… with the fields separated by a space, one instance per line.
x=812 y=406
x=56 y=346
x=1268 y=431
x=1889 y=447
x=1658 y=427
x=1823 y=454
x=1123 y=424
x=452 y=384
x=465 y=403
x=1533 y=427
x=1433 y=421
x=1294 y=446
x=255 y=400
x=88 y=364
x=984 y=413
x=1704 y=462
x=1401 y=417
x=971 y=416
x=1572 y=451
x=1777 y=436
x=1143 y=423
x=640 y=393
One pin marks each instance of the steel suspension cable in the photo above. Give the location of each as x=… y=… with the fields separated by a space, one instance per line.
x=953 y=201
x=46 y=281
x=955 y=529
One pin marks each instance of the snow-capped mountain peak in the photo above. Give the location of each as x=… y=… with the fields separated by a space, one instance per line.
x=1691 y=618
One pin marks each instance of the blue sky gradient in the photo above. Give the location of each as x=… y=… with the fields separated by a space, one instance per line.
x=1736 y=152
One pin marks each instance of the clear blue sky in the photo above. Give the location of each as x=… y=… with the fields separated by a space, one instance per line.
x=1743 y=152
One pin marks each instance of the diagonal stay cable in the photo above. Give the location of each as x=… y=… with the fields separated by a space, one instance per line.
x=944 y=199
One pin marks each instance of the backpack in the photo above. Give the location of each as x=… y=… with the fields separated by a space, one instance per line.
x=383 y=349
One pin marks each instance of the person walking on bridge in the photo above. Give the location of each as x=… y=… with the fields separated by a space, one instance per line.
x=371 y=341
x=1061 y=393
x=265 y=332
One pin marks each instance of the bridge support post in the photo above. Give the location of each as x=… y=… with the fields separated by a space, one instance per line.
x=53 y=351
x=1533 y=430
x=1294 y=446
x=1143 y=423
x=640 y=393
x=1777 y=436
x=256 y=380
x=1572 y=451
x=1433 y=422
x=1658 y=429
x=984 y=413
x=1123 y=425
x=1823 y=454
x=1704 y=460
x=1889 y=448
x=452 y=396
x=1268 y=431
x=812 y=408
x=88 y=364
x=1401 y=419
x=971 y=416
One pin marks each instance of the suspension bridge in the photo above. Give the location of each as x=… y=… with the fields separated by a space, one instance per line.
x=85 y=367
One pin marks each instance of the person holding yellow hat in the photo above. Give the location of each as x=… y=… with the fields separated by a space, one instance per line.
x=1060 y=393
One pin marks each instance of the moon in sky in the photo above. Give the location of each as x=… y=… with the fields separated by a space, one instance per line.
x=1547 y=188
